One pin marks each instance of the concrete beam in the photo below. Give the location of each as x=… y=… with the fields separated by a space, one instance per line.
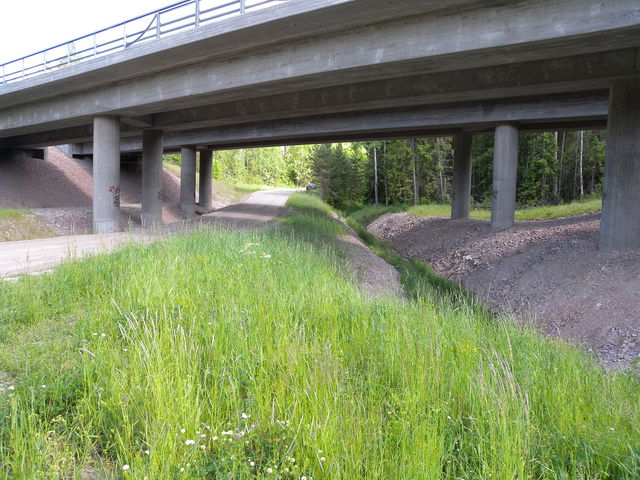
x=492 y=34
x=106 y=174
x=461 y=187
x=421 y=121
x=505 y=171
x=495 y=82
x=152 y=149
x=188 y=181
x=620 y=222
x=206 y=179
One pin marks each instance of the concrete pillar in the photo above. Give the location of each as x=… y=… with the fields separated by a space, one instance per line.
x=620 y=222
x=188 y=181
x=461 y=188
x=505 y=172
x=206 y=178
x=151 y=214
x=106 y=174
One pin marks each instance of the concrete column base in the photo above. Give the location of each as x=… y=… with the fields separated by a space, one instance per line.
x=151 y=214
x=206 y=179
x=505 y=173
x=620 y=222
x=106 y=174
x=461 y=187
x=188 y=181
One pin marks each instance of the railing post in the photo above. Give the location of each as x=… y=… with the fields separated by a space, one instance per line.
x=23 y=68
x=197 y=13
x=95 y=45
x=124 y=37
x=3 y=74
x=242 y=6
x=68 y=53
x=44 y=60
x=158 y=24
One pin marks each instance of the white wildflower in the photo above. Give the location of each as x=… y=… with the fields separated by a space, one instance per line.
x=125 y=467
x=189 y=442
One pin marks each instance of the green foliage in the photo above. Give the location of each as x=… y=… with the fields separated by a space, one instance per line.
x=419 y=171
x=273 y=166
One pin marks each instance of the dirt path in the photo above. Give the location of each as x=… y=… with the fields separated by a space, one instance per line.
x=36 y=256
x=253 y=211
x=550 y=270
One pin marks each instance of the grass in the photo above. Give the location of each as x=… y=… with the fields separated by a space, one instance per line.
x=8 y=214
x=250 y=355
x=22 y=225
x=533 y=213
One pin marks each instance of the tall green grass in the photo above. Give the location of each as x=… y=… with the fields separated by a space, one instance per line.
x=223 y=354
x=532 y=213
x=370 y=213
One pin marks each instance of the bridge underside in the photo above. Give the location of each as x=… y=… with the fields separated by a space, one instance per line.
x=336 y=70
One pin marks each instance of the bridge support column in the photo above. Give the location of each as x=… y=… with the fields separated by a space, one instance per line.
x=206 y=178
x=620 y=222
x=151 y=214
x=106 y=174
x=188 y=181
x=505 y=171
x=461 y=188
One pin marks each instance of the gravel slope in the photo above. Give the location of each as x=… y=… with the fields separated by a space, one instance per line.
x=548 y=272
x=60 y=190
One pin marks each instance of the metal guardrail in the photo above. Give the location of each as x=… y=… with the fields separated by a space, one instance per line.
x=183 y=15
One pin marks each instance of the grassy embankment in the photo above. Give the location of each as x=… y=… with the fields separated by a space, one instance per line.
x=370 y=213
x=250 y=355
x=21 y=225
x=225 y=192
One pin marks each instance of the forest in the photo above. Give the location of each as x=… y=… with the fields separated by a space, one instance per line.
x=553 y=168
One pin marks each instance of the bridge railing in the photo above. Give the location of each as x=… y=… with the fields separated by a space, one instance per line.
x=187 y=14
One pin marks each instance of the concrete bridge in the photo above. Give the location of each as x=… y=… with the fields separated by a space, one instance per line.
x=302 y=71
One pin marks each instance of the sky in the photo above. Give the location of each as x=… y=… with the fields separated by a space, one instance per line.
x=27 y=26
